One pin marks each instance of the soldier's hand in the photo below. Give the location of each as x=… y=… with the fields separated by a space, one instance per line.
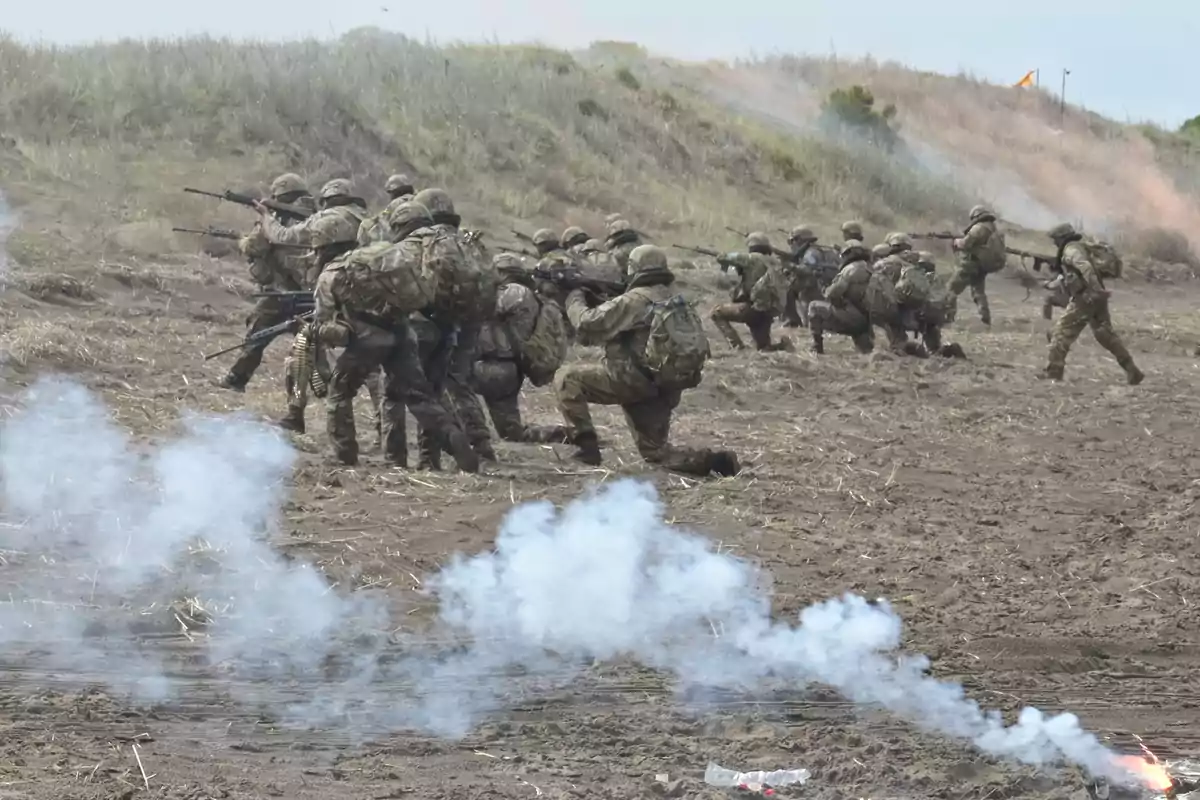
x=956 y=244
x=262 y=210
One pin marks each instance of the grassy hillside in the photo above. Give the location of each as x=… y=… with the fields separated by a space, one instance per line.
x=96 y=142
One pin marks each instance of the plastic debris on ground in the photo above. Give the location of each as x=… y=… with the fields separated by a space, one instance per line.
x=758 y=781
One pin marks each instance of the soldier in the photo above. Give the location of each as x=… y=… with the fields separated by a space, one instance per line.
x=879 y=252
x=893 y=254
x=623 y=378
x=1088 y=306
x=621 y=240
x=354 y=315
x=456 y=380
x=573 y=239
x=273 y=269
x=980 y=253
x=858 y=300
x=399 y=187
x=1056 y=297
x=852 y=231
x=592 y=251
x=376 y=228
x=804 y=286
x=499 y=373
x=758 y=297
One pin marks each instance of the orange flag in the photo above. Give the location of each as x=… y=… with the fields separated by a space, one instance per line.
x=1027 y=80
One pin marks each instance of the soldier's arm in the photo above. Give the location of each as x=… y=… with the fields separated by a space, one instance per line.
x=974 y=239
x=332 y=329
x=1078 y=272
x=738 y=261
x=836 y=290
x=278 y=233
x=607 y=320
x=510 y=299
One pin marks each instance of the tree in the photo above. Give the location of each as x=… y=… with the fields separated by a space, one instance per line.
x=852 y=111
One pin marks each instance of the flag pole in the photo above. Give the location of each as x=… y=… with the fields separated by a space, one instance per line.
x=1062 y=101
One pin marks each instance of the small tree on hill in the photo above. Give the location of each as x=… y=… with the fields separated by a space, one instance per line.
x=1191 y=127
x=852 y=111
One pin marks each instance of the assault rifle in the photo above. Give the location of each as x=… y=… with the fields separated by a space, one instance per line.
x=571 y=278
x=265 y=335
x=216 y=233
x=226 y=233
x=283 y=209
x=1038 y=259
x=704 y=251
x=786 y=255
x=294 y=303
x=934 y=235
x=524 y=237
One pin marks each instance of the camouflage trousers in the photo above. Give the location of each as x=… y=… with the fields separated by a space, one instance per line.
x=824 y=317
x=296 y=406
x=499 y=383
x=1081 y=314
x=918 y=320
x=647 y=413
x=795 y=305
x=405 y=384
x=758 y=322
x=267 y=312
x=1054 y=298
x=973 y=276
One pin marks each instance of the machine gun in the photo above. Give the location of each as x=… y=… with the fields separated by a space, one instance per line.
x=283 y=209
x=934 y=235
x=265 y=335
x=1038 y=259
x=216 y=233
x=294 y=303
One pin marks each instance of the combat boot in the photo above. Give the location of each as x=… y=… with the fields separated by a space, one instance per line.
x=293 y=420
x=1134 y=374
x=724 y=463
x=588 y=451
x=1053 y=372
x=233 y=382
x=464 y=455
x=818 y=343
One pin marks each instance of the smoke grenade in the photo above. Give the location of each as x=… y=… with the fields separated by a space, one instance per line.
x=93 y=521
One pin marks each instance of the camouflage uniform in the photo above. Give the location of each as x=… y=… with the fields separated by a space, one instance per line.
x=621 y=240
x=330 y=233
x=273 y=269
x=456 y=379
x=620 y=378
x=374 y=334
x=804 y=286
x=1056 y=297
x=498 y=375
x=852 y=231
x=857 y=300
x=573 y=239
x=377 y=228
x=980 y=252
x=1088 y=307
x=751 y=267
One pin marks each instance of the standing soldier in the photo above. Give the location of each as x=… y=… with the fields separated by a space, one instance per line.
x=980 y=253
x=274 y=269
x=758 y=297
x=1081 y=267
x=655 y=349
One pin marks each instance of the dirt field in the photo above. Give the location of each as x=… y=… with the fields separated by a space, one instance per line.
x=1038 y=540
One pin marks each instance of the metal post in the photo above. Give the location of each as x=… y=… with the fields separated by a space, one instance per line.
x=1062 y=100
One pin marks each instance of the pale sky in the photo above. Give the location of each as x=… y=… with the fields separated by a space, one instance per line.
x=1129 y=59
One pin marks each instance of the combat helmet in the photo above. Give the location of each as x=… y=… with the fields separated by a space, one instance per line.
x=508 y=264
x=408 y=217
x=925 y=260
x=898 y=241
x=881 y=250
x=592 y=246
x=544 y=239
x=757 y=242
x=572 y=236
x=855 y=250
x=340 y=190
x=802 y=234
x=440 y=206
x=981 y=212
x=1063 y=232
x=648 y=258
x=399 y=185
x=289 y=183
x=852 y=231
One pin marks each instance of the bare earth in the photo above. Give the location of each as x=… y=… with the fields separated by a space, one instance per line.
x=1038 y=540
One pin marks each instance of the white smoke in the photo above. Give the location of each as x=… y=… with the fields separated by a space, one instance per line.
x=603 y=578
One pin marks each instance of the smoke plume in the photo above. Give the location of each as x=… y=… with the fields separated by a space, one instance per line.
x=94 y=523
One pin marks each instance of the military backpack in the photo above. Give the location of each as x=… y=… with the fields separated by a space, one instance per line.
x=677 y=347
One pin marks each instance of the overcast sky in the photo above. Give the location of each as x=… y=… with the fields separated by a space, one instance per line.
x=1130 y=60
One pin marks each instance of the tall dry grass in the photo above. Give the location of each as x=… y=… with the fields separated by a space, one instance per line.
x=103 y=137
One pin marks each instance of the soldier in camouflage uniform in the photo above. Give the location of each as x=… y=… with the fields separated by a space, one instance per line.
x=879 y=252
x=592 y=248
x=374 y=333
x=498 y=373
x=274 y=269
x=620 y=326
x=457 y=380
x=1056 y=297
x=377 y=228
x=804 y=285
x=980 y=253
x=893 y=254
x=399 y=187
x=852 y=231
x=573 y=239
x=1088 y=307
x=858 y=300
x=621 y=240
x=752 y=266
